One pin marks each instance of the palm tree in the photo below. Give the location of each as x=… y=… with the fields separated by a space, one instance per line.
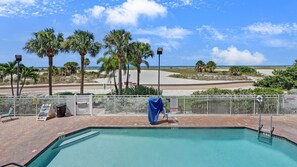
x=71 y=67
x=140 y=52
x=200 y=65
x=1 y=73
x=84 y=43
x=117 y=43
x=109 y=66
x=63 y=71
x=211 y=65
x=28 y=73
x=87 y=62
x=128 y=59
x=55 y=70
x=45 y=43
x=9 y=69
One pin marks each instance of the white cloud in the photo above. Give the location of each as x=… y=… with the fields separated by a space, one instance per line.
x=169 y=45
x=164 y=32
x=267 y=28
x=233 y=56
x=79 y=19
x=144 y=40
x=187 y=2
x=31 y=7
x=129 y=12
x=280 y=43
x=194 y=58
x=6 y=2
x=96 y=11
x=211 y=31
x=181 y=3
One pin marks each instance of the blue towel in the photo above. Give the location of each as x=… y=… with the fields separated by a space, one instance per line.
x=155 y=106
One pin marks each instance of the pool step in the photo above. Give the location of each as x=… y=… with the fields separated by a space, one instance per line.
x=70 y=140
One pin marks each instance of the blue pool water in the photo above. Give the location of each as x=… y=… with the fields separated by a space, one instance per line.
x=168 y=147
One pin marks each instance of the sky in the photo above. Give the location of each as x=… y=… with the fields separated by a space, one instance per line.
x=229 y=32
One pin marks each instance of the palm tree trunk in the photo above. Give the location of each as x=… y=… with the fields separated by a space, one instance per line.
x=138 y=75
x=120 y=76
x=50 y=71
x=11 y=84
x=82 y=71
x=115 y=82
x=127 y=81
x=24 y=80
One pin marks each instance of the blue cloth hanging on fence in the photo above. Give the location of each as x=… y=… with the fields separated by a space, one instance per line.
x=155 y=106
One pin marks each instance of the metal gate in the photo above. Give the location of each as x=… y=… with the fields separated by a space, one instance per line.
x=80 y=104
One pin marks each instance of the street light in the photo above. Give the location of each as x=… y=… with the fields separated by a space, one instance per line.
x=159 y=52
x=18 y=59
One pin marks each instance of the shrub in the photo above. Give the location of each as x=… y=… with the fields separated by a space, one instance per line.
x=65 y=93
x=256 y=91
x=141 y=90
x=283 y=79
x=239 y=70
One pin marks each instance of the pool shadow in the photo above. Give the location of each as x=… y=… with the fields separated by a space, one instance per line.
x=169 y=121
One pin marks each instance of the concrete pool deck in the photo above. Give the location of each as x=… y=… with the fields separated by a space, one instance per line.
x=23 y=138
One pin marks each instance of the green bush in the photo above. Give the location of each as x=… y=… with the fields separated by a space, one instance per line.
x=256 y=91
x=141 y=90
x=239 y=70
x=65 y=93
x=283 y=79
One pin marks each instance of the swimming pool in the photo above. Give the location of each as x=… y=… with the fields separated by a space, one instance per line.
x=182 y=147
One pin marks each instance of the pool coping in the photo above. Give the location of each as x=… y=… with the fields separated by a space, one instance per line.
x=143 y=127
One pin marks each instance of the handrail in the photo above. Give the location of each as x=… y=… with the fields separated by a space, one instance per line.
x=12 y=163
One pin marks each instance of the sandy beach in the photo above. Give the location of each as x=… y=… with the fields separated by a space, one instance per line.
x=170 y=86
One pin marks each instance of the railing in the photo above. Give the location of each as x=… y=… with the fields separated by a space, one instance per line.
x=137 y=105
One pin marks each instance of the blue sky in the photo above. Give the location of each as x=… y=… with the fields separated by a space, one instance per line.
x=230 y=32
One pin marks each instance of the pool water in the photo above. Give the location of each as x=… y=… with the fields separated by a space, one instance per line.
x=168 y=147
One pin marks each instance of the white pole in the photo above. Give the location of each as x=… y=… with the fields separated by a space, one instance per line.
x=270 y=123
x=230 y=105
x=254 y=104
x=207 y=105
x=75 y=104
x=184 y=104
x=36 y=109
x=91 y=104
x=14 y=105
x=278 y=106
x=114 y=103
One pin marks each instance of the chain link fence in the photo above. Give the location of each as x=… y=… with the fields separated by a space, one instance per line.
x=137 y=105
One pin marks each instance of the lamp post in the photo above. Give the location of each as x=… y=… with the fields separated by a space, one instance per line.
x=159 y=52
x=18 y=59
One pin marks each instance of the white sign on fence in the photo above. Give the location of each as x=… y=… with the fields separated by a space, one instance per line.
x=174 y=105
x=290 y=101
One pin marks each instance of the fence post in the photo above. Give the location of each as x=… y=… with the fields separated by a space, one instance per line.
x=254 y=104
x=114 y=103
x=231 y=105
x=184 y=104
x=91 y=104
x=14 y=105
x=207 y=104
x=75 y=104
x=278 y=106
